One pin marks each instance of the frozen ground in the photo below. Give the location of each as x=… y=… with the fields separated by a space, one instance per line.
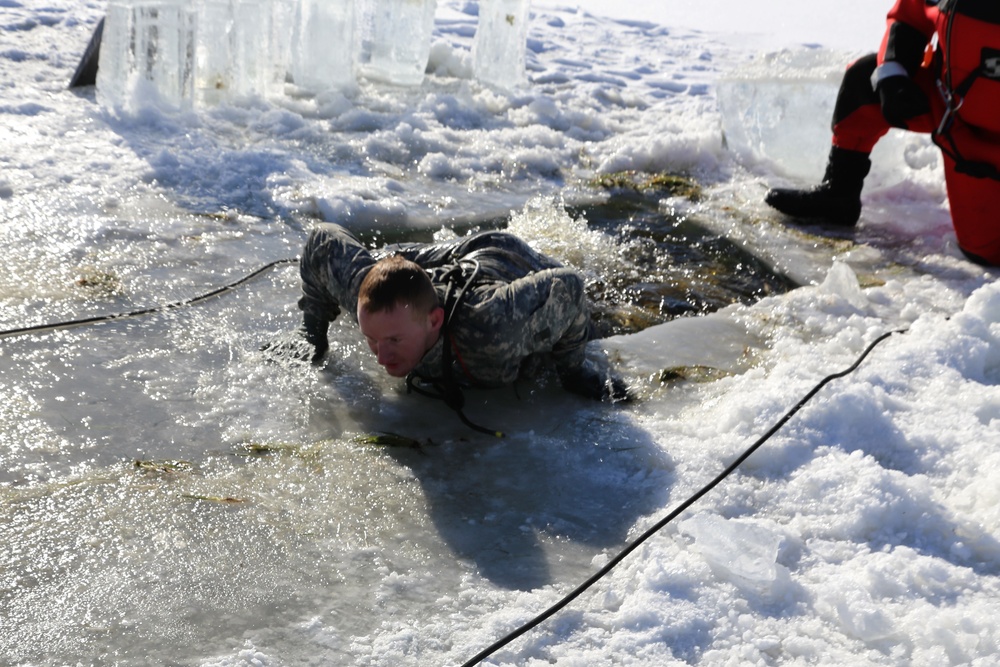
x=257 y=528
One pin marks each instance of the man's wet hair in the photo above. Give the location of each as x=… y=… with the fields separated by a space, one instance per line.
x=395 y=280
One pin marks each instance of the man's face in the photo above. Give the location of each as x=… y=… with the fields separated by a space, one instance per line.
x=399 y=337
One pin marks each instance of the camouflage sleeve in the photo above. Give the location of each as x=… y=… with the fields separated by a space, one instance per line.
x=544 y=312
x=332 y=266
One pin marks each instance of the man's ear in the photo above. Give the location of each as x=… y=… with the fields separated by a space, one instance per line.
x=436 y=318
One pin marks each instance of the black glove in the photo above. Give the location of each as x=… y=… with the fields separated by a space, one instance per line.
x=314 y=331
x=309 y=342
x=595 y=383
x=901 y=99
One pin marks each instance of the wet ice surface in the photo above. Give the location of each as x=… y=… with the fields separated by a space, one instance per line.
x=353 y=537
x=210 y=485
x=258 y=529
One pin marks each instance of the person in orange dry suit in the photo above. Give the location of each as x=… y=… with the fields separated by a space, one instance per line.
x=938 y=72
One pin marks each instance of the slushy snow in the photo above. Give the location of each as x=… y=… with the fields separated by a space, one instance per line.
x=171 y=494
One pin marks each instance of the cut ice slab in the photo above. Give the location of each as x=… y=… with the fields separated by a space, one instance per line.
x=498 y=52
x=717 y=340
x=396 y=40
x=776 y=111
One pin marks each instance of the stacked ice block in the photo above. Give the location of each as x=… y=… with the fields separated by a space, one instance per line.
x=187 y=53
x=498 y=50
x=323 y=44
x=397 y=40
x=148 y=48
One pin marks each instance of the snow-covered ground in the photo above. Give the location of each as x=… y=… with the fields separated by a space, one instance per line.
x=171 y=495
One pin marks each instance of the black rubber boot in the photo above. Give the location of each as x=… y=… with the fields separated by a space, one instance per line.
x=835 y=201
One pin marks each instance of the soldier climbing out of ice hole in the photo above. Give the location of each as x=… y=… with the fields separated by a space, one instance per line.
x=950 y=90
x=474 y=311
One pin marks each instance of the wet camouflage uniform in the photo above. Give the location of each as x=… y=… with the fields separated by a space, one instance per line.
x=521 y=304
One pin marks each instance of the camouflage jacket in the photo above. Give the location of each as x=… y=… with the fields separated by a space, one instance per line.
x=519 y=304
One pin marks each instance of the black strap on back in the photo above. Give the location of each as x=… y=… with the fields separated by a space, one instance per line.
x=953 y=98
x=944 y=139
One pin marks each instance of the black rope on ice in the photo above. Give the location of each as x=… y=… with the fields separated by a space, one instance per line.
x=148 y=311
x=551 y=611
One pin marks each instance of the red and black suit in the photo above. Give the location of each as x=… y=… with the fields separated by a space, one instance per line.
x=950 y=50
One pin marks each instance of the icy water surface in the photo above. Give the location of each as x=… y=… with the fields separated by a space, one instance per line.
x=170 y=491
x=671 y=266
x=644 y=266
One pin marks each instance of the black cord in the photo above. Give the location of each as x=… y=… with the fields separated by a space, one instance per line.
x=453 y=398
x=551 y=611
x=147 y=311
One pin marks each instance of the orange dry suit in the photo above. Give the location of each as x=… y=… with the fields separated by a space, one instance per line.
x=951 y=50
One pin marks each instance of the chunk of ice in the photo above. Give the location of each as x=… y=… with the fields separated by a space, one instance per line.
x=324 y=44
x=776 y=111
x=396 y=40
x=498 y=52
x=148 y=45
x=189 y=52
x=741 y=552
x=843 y=282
